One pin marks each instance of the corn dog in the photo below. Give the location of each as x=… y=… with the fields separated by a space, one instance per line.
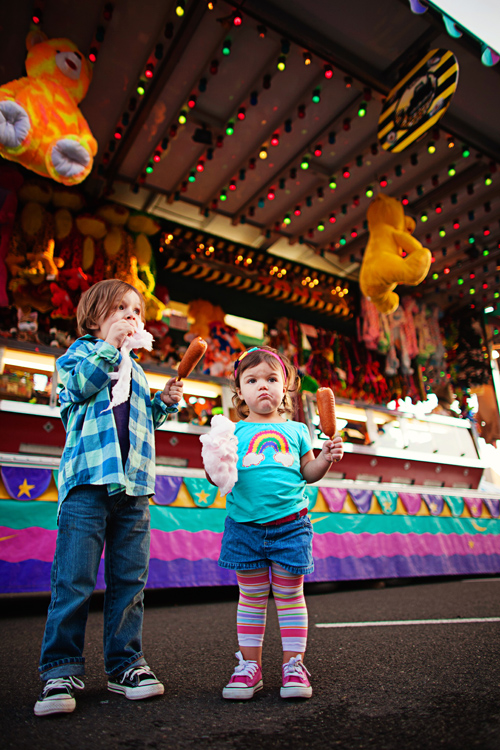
x=326 y=409
x=194 y=353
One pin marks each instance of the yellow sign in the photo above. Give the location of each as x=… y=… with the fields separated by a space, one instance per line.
x=418 y=101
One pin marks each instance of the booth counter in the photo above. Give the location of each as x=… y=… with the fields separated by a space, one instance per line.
x=403 y=502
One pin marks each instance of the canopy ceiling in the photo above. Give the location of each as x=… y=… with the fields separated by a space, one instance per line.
x=370 y=46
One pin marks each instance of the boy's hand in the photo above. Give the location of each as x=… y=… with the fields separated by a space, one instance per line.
x=119 y=331
x=172 y=393
x=333 y=450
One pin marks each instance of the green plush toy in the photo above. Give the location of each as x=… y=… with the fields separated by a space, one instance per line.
x=383 y=266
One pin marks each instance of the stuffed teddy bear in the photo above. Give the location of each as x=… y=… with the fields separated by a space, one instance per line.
x=41 y=126
x=383 y=266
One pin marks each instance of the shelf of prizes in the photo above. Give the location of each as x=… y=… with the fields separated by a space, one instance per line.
x=404 y=501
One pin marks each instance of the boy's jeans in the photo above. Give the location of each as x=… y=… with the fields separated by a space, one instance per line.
x=88 y=518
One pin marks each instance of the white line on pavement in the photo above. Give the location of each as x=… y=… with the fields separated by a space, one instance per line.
x=385 y=623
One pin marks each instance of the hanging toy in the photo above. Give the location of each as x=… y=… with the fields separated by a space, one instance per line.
x=41 y=126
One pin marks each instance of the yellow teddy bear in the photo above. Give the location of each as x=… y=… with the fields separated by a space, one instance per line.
x=41 y=126
x=383 y=266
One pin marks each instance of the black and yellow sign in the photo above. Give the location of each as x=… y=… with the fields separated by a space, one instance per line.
x=418 y=101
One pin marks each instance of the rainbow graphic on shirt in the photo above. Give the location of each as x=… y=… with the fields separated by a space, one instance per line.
x=270 y=439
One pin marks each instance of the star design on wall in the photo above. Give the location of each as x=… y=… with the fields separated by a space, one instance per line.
x=24 y=488
x=203 y=496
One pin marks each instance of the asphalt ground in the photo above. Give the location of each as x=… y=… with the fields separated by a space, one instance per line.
x=389 y=688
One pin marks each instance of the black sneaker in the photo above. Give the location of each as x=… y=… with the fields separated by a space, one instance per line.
x=136 y=683
x=57 y=696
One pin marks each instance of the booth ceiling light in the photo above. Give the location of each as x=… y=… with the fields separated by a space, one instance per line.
x=230 y=128
x=226 y=47
x=332 y=184
x=465 y=152
x=180 y=8
x=328 y=71
x=182 y=117
x=307 y=58
x=362 y=109
x=316 y=95
x=431 y=147
x=263 y=153
x=304 y=164
x=369 y=192
x=281 y=64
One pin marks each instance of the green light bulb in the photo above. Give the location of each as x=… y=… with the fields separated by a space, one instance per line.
x=182 y=117
x=287 y=220
x=435 y=276
x=424 y=218
x=369 y=192
x=333 y=184
x=451 y=170
x=321 y=227
x=342 y=240
x=230 y=128
x=304 y=164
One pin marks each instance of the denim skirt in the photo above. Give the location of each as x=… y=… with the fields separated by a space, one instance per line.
x=246 y=546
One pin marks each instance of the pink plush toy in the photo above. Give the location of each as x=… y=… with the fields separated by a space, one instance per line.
x=220 y=453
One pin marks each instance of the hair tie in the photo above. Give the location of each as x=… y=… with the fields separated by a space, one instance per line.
x=258 y=349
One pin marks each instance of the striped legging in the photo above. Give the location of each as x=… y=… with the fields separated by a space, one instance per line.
x=288 y=591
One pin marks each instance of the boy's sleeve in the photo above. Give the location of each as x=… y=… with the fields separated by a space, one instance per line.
x=161 y=410
x=84 y=370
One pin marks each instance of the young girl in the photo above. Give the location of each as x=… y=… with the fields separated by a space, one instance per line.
x=267 y=528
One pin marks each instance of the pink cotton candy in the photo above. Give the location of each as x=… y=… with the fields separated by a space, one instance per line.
x=220 y=453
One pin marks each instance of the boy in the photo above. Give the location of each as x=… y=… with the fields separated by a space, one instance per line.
x=106 y=477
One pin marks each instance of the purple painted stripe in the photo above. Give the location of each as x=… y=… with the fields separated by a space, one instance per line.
x=33 y=575
x=197 y=545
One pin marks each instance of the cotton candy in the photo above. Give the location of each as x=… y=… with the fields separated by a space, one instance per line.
x=141 y=339
x=220 y=453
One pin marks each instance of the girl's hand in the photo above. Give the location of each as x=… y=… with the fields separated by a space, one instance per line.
x=172 y=393
x=333 y=450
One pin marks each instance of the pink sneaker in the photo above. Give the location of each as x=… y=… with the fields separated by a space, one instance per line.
x=295 y=682
x=245 y=681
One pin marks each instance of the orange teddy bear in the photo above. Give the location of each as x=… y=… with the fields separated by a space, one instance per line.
x=41 y=126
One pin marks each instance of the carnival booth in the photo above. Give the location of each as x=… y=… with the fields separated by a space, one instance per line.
x=258 y=188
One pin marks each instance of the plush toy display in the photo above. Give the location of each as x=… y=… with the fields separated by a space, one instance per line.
x=41 y=126
x=383 y=266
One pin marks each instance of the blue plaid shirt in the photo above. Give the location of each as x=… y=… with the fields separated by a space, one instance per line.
x=92 y=452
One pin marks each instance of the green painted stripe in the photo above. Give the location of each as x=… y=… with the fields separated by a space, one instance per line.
x=165 y=518
x=22 y=515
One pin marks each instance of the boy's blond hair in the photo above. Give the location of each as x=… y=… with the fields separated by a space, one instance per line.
x=100 y=300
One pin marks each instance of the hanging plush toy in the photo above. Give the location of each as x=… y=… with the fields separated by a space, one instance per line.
x=383 y=266
x=41 y=126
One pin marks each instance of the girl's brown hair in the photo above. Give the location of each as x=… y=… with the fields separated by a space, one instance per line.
x=100 y=300
x=268 y=355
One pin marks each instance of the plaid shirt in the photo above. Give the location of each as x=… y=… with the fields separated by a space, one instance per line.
x=92 y=452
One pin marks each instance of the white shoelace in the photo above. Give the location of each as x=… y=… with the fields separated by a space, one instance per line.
x=63 y=682
x=130 y=673
x=244 y=667
x=295 y=667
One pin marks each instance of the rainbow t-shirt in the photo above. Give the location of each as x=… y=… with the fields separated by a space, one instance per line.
x=270 y=484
